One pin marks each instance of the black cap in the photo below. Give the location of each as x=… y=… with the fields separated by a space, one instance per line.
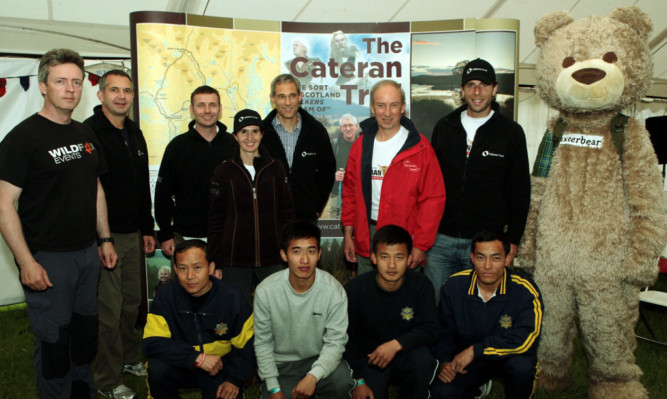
x=245 y=118
x=478 y=69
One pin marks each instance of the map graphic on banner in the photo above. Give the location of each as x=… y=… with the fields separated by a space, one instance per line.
x=174 y=60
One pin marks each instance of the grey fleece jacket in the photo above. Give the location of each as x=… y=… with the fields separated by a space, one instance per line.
x=290 y=326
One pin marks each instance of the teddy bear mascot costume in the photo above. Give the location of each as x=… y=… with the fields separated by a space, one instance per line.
x=596 y=224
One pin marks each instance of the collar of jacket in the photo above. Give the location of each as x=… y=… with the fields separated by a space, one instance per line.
x=104 y=123
x=222 y=128
x=455 y=116
x=306 y=119
x=501 y=290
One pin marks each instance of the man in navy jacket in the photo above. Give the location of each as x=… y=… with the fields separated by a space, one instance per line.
x=490 y=322
x=199 y=331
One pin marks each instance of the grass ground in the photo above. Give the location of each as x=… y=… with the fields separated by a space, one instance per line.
x=17 y=377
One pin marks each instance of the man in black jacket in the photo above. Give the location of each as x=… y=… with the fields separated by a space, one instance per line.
x=129 y=207
x=182 y=198
x=484 y=163
x=302 y=144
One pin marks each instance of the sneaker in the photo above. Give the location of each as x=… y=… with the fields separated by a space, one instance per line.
x=120 y=392
x=137 y=369
x=485 y=390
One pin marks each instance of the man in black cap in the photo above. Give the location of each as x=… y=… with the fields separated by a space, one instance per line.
x=484 y=163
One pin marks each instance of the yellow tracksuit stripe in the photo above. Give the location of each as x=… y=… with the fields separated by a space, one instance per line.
x=156 y=326
x=530 y=340
x=223 y=347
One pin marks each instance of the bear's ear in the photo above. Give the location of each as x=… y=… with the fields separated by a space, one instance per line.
x=635 y=18
x=548 y=24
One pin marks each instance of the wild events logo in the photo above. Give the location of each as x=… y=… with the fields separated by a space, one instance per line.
x=71 y=152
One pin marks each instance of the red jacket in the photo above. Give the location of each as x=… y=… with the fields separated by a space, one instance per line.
x=413 y=191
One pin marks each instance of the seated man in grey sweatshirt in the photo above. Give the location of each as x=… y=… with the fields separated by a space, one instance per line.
x=300 y=317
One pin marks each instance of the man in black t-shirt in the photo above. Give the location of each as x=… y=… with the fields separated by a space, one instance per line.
x=49 y=168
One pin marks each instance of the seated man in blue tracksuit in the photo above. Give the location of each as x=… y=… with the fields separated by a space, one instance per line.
x=199 y=331
x=490 y=320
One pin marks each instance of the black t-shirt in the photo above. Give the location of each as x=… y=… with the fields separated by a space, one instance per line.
x=56 y=166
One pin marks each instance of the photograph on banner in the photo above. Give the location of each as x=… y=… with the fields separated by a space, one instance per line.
x=158 y=272
x=333 y=260
x=437 y=64
x=173 y=60
x=336 y=71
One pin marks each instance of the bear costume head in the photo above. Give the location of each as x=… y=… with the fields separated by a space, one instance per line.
x=593 y=64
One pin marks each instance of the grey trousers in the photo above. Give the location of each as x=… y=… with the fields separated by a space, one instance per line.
x=336 y=385
x=64 y=321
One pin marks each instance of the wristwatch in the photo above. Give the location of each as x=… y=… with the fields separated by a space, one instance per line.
x=102 y=240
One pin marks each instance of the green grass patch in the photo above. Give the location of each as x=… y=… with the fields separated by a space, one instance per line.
x=17 y=375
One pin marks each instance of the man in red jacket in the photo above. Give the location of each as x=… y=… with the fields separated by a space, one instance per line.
x=392 y=177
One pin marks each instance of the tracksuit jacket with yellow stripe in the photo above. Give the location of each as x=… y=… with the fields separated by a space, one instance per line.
x=223 y=326
x=508 y=324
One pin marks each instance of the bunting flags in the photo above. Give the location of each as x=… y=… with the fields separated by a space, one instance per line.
x=24 y=80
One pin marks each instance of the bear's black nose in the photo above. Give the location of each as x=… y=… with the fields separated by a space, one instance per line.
x=589 y=76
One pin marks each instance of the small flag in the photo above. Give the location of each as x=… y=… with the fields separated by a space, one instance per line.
x=25 y=82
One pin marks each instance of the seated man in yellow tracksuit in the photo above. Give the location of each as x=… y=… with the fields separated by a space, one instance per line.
x=199 y=331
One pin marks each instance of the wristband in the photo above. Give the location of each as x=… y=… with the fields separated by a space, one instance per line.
x=274 y=390
x=102 y=240
x=199 y=363
x=360 y=381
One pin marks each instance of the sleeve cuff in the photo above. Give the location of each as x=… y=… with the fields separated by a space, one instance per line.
x=478 y=350
x=191 y=359
x=164 y=235
x=318 y=372
x=272 y=382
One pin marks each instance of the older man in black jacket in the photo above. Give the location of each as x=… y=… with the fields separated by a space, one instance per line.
x=302 y=144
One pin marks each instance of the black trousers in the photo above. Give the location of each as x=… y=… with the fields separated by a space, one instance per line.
x=518 y=373
x=164 y=381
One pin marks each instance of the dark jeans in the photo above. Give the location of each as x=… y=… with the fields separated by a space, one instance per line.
x=447 y=256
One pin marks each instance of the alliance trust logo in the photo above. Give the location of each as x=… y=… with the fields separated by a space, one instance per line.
x=492 y=154
x=470 y=70
x=242 y=118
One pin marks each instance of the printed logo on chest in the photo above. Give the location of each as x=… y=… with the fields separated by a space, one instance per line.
x=71 y=152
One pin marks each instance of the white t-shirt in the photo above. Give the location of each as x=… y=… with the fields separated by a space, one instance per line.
x=479 y=294
x=471 y=125
x=251 y=170
x=383 y=153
